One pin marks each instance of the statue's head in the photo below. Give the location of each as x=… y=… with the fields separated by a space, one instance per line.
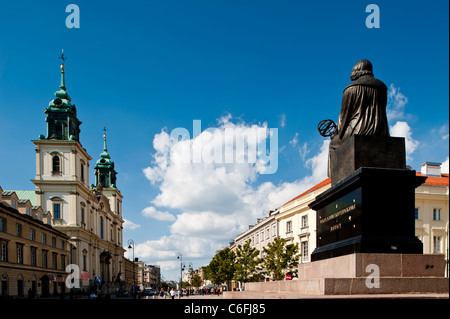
x=362 y=67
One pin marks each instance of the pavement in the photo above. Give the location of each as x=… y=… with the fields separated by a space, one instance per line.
x=272 y=295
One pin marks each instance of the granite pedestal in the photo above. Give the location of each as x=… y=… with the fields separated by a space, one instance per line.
x=370 y=207
x=359 y=274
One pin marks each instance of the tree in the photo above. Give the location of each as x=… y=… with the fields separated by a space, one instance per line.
x=247 y=262
x=222 y=267
x=281 y=259
x=196 y=280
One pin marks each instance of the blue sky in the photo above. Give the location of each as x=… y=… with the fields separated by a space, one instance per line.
x=144 y=68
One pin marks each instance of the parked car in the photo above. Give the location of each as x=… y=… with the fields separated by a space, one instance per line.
x=148 y=292
x=122 y=293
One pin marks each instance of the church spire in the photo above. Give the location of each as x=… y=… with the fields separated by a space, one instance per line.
x=62 y=121
x=105 y=175
x=105 y=149
x=63 y=68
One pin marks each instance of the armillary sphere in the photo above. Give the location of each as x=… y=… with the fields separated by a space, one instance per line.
x=327 y=128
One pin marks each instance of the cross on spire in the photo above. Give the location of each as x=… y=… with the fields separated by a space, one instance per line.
x=105 y=150
x=62 y=57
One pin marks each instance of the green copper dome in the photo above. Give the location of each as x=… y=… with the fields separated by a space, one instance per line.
x=105 y=174
x=62 y=121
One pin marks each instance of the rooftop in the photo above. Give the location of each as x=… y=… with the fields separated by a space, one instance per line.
x=442 y=180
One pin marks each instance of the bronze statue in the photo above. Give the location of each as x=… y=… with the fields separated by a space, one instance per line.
x=363 y=107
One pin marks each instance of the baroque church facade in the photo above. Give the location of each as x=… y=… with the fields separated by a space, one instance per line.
x=90 y=215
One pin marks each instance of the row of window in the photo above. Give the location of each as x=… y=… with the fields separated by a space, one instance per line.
x=33 y=256
x=19 y=233
x=304 y=223
x=436 y=214
x=263 y=235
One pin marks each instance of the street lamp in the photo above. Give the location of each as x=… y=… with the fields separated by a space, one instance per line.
x=131 y=245
x=180 y=256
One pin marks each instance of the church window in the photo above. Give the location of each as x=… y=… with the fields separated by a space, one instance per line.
x=84 y=259
x=3 y=224
x=82 y=216
x=82 y=172
x=56 y=165
x=57 y=211
x=101 y=227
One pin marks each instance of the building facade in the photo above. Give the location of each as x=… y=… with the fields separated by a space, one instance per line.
x=148 y=275
x=90 y=215
x=297 y=222
x=33 y=254
x=260 y=234
x=432 y=211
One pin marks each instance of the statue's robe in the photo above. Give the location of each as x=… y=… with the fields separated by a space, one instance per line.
x=363 y=108
x=363 y=111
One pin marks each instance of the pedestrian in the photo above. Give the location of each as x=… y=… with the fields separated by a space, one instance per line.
x=161 y=294
x=172 y=293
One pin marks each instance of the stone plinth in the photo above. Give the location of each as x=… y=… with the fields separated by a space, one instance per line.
x=370 y=211
x=390 y=265
x=354 y=275
x=366 y=151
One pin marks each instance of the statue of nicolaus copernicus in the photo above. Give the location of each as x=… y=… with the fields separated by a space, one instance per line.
x=363 y=107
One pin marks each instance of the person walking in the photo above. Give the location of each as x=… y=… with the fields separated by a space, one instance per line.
x=172 y=293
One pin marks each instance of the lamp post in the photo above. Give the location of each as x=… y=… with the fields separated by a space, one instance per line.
x=180 y=256
x=131 y=245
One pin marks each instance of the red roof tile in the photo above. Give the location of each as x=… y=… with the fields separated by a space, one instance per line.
x=316 y=187
x=443 y=180
x=435 y=180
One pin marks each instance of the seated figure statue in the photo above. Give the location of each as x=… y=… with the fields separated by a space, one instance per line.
x=363 y=107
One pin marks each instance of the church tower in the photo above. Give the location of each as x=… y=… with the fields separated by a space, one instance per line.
x=62 y=121
x=90 y=215
x=105 y=175
x=105 y=178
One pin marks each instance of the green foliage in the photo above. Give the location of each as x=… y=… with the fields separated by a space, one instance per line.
x=222 y=267
x=247 y=262
x=196 y=280
x=185 y=284
x=281 y=259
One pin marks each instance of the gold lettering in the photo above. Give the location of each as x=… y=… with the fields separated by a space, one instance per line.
x=337 y=214
x=333 y=228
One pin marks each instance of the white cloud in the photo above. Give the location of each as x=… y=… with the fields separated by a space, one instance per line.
x=153 y=213
x=302 y=150
x=217 y=201
x=129 y=225
x=294 y=140
x=396 y=103
x=283 y=120
x=319 y=163
x=402 y=129
x=443 y=130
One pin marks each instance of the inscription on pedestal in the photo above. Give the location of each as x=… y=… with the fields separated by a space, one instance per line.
x=340 y=219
